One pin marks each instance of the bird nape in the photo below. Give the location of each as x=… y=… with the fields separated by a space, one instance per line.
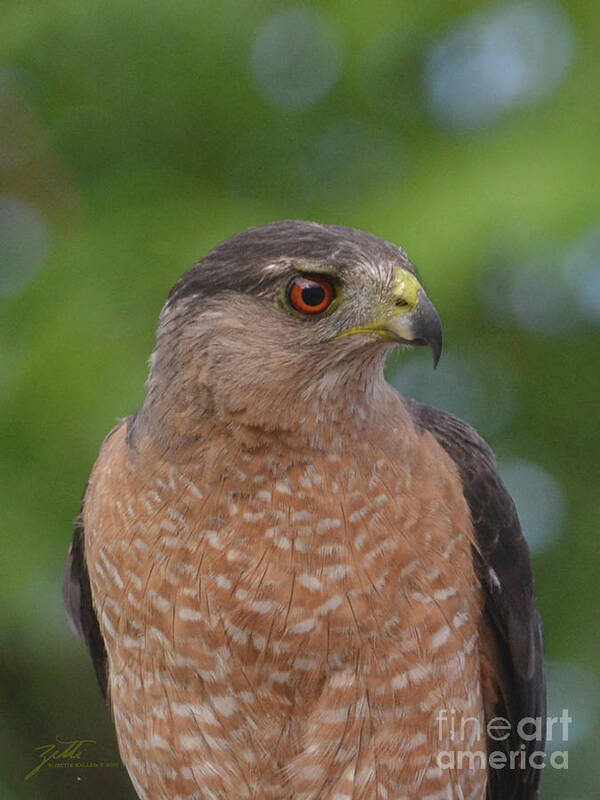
x=293 y=581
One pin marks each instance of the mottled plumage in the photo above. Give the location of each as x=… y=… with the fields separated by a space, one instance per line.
x=292 y=568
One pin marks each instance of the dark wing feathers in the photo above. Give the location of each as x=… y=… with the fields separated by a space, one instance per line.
x=77 y=595
x=77 y=592
x=503 y=566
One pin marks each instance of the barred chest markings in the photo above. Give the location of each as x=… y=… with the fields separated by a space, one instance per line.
x=251 y=586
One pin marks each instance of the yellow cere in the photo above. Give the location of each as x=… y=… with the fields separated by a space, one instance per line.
x=406 y=288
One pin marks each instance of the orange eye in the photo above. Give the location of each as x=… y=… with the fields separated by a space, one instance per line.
x=310 y=294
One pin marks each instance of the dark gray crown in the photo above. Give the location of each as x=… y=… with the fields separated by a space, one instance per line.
x=239 y=262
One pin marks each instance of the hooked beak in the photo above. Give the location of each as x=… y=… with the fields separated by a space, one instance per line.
x=415 y=319
x=412 y=319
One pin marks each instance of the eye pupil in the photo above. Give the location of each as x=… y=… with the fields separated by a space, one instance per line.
x=313 y=295
x=310 y=294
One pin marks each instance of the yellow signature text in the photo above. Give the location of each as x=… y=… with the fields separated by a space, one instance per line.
x=60 y=751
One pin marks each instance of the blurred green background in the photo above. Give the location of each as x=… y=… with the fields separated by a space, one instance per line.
x=135 y=136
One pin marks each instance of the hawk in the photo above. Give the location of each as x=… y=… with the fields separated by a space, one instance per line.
x=295 y=582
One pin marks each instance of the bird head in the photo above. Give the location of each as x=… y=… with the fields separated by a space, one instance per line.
x=283 y=308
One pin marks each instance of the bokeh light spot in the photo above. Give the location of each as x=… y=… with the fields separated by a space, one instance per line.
x=477 y=388
x=351 y=155
x=296 y=57
x=539 y=499
x=582 y=274
x=280 y=168
x=341 y=162
x=573 y=688
x=24 y=242
x=510 y=55
x=539 y=297
x=553 y=292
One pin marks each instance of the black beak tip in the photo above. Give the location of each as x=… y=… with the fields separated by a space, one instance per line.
x=429 y=326
x=436 y=344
